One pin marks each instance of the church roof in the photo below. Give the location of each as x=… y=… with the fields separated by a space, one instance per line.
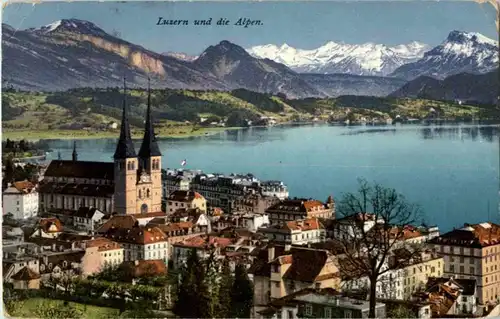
x=77 y=189
x=149 y=145
x=81 y=169
x=124 y=147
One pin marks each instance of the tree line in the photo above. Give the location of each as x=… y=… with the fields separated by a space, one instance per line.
x=208 y=289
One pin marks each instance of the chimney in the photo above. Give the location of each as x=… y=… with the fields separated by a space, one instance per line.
x=53 y=247
x=288 y=247
x=270 y=253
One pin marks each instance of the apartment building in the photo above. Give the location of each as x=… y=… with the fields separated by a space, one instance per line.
x=473 y=252
x=296 y=209
x=297 y=232
x=20 y=199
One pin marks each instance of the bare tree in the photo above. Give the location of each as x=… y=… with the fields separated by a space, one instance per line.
x=375 y=223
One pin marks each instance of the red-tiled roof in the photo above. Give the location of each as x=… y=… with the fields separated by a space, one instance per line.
x=46 y=224
x=24 y=187
x=206 y=241
x=102 y=244
x=474 y=236
x=118 y=221
x=304 y=225
x=297 y=206
x=136 y=235
x=306 y=264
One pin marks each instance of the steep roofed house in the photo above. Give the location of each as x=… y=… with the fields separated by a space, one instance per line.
x=87 y=218
x=185 y=200
x=278 y=271
x=26 y=278
x=21 y=200
x=48 y=228
x=297 y=232
x=100 y=253
x=140 y=242
x=296 y=209
x=473 y=252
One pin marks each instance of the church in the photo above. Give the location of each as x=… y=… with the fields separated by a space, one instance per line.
x=129 y=185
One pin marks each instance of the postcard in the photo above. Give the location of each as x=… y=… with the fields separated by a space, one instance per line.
x=251 y=159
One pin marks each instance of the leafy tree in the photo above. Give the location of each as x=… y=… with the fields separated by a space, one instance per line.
x=225 y=289
x=242 y=293
x=369 y=252
x=9 y=172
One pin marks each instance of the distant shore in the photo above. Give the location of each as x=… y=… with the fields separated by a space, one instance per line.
x=35 y=135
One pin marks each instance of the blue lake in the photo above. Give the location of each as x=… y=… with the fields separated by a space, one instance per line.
x=451 y=171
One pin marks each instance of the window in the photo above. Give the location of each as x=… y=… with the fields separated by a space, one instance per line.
x=328 y=312
x=471 y=270
x=347 y=314
x=462 y=270
x=308 y=310
x=462 y=260
x=452 y=268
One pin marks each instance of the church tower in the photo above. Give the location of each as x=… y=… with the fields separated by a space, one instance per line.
x=126 y=166
x=149 y=188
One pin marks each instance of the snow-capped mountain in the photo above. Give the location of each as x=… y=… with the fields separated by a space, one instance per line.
x=70 y=25
x=461 y=52
x=357 y=59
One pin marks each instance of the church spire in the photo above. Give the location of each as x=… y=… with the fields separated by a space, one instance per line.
x=149 y=145
x=125 y=147
x=75 y=154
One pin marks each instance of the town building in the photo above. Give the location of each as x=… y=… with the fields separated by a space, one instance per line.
x=140 y=242
x=319 y=303
x=129 y=185
x=467 y=303
x=20 y=199
x=449 y=298
x=185 y=200
x=48 y=228
x=297 y=232
x=274 y=189
x=252 y=221
x=87 y=218
x=254 y=203
x=403 y=274
x=280 y=270
x=177 y=180
x=473 y=252
x=101 y=253
x=296 y=209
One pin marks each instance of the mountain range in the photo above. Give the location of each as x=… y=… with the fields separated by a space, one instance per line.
x=362 y=59
x=73 y=53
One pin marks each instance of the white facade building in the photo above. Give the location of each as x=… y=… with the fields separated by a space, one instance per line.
x=21 y=200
